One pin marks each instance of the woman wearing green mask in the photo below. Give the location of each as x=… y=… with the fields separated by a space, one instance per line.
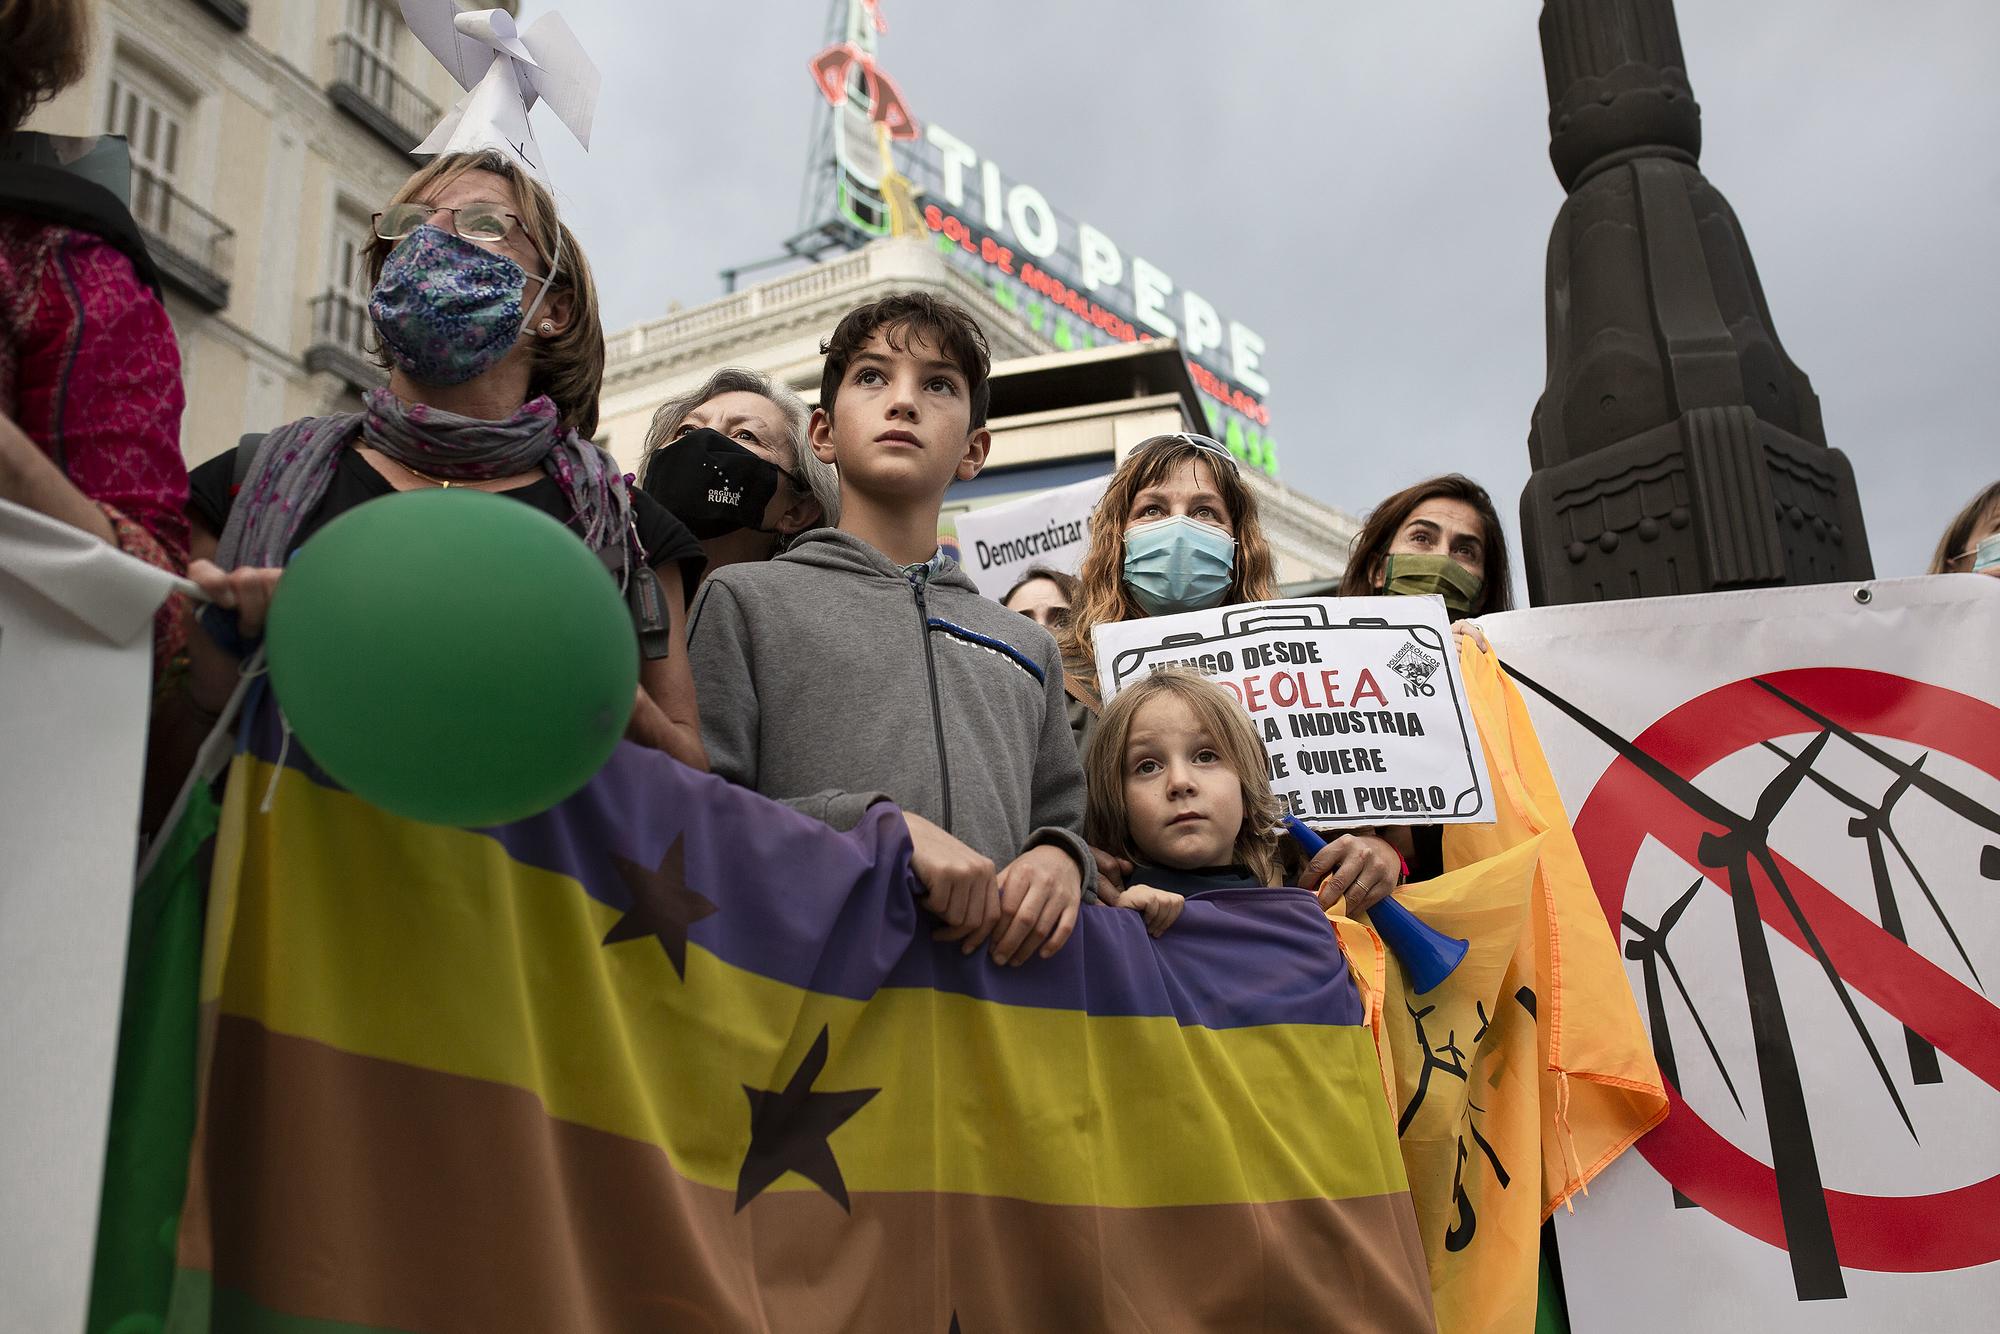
x=1440 y=536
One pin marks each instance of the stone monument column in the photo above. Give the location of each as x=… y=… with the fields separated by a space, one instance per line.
x=1675 y=448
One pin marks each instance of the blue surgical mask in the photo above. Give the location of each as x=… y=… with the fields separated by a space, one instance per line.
x=1178 y=564
x=447 y=310
x=1986 y=556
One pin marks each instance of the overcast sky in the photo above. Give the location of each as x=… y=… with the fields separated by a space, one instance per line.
x=1367 y=185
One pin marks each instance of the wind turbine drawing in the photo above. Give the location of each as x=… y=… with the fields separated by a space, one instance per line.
x=1737 y=845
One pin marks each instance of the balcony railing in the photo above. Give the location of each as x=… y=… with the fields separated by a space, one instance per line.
x=192 y=247
x=368 y=88
x=339 y=342
x=236 y=13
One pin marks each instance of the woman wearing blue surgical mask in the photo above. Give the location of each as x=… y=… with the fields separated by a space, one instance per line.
x=1971 y=545
x=486 y=319
x=1177 y=530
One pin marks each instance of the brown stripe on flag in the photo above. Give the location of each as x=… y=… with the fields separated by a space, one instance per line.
x=346 y=1188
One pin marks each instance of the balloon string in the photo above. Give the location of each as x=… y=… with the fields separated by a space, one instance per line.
x=284 y=749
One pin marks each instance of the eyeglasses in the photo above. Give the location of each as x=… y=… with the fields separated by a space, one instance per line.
x=483 y=222
x=1206 y=444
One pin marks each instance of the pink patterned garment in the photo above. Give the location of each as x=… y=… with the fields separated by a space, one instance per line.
x=90 y=372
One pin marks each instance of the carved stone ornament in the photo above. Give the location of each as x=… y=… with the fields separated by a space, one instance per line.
x=1676 y=448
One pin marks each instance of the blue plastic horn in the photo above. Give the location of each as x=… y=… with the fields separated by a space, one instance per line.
x=1427 y=954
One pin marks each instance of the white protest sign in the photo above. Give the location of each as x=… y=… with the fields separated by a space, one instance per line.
x=1358 y=701
x=1789 y=803
x=76 y=619
x=996 y=545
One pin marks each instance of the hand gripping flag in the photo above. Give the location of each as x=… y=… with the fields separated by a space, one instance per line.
x=673 y=1056
x=505 y=70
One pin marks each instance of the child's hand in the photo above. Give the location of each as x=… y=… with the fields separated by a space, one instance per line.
x=1041 y=892
x=1363 y=868
x=959 y=883
x=1160 y=908
x=1111 y=873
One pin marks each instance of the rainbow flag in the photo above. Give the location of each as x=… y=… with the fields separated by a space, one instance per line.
x=672 y=1056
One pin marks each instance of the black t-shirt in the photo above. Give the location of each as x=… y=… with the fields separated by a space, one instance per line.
x=211 y=493
x=1186 y=883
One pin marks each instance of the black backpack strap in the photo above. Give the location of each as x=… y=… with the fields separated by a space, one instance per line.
x=246 y=459
x=646 y=601
x=64 y=198
x=649 y=613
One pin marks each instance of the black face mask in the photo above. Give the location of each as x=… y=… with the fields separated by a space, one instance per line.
x=712 y=484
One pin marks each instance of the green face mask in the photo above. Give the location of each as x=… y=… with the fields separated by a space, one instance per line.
x=1422 y=575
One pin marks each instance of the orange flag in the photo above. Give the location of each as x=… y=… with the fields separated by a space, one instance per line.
x=1522 y=1076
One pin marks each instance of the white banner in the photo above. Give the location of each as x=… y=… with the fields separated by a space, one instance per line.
x=998 y=544
x=1789 y=803
x=1358 y=700
x=75 y=660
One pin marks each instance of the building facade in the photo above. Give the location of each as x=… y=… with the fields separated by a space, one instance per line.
x=264 y=134
x=1057 y=417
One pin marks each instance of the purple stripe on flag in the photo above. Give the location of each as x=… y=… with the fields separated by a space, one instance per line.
x=836 y=912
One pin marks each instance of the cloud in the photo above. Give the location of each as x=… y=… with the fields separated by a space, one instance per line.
x=1367 y=186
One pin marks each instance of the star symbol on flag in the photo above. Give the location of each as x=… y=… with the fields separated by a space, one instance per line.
x=789 y=1130
x=662 y=905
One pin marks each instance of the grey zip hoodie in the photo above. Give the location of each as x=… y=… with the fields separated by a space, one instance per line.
x=831 y=680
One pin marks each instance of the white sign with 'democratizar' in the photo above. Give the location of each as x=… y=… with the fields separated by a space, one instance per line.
x=1001 y=543
x=1358 y=701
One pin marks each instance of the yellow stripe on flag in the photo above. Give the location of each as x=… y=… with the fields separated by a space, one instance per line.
x=492 y=969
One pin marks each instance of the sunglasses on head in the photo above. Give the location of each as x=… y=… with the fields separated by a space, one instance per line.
x=1206 y=444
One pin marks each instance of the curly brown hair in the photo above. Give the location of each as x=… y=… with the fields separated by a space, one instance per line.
x=1101 y=597
x=44 y=48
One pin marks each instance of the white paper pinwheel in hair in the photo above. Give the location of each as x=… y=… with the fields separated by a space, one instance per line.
x=504 y=69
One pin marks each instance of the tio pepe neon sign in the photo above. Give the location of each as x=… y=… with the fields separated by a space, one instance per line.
x=1025 y=214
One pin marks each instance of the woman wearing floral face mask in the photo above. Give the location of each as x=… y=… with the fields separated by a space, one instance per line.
x=487 y=317
x=1177 y=530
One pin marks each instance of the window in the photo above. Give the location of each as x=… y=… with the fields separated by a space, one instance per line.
x=191 y=246
x=348 y=268
x=340 y=328
x=153 y=120
x=375 y=26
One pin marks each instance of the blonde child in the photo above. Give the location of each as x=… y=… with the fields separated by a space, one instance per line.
x=1177 y=785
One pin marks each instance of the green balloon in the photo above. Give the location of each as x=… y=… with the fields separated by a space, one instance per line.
x=453 y=656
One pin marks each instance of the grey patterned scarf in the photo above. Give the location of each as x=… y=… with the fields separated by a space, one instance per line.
x=296 y=464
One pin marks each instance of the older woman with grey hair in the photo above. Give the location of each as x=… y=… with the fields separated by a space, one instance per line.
x=731 y=461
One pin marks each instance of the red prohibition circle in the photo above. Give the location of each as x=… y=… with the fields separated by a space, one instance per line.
x=1950 y=1229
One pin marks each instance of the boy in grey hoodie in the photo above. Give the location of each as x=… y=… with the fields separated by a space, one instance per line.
x=862 y=666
